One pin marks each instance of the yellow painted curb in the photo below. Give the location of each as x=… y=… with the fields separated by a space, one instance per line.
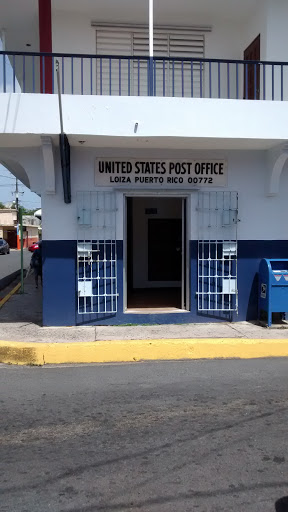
x=9 y=295
x=139 y=350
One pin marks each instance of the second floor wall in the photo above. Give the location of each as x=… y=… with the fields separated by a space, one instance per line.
x=219 y=30
x=184 y=33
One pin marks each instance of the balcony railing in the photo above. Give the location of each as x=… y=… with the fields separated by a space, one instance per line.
x=143 y=76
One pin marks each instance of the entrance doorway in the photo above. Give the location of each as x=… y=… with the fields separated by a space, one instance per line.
x=11 y=237
x=156 y=254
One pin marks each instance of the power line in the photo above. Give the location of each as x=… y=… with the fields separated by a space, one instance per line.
x=8 y=177
x=10 y=185
x=7 y=185
x=16 y=193
x=31 y=202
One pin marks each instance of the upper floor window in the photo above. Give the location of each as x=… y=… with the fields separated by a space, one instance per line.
x=174 y=78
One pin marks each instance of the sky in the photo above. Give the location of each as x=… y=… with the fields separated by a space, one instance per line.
x=27 y=199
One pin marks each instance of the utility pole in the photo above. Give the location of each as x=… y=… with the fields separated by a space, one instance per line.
x=17 y=200
x=19 y=232
x=17 y=210
x=21 y=247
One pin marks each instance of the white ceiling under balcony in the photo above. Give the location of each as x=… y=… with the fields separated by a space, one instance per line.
x=19 y=19
x=165 y=11
x=18 y=12
x=21 y=23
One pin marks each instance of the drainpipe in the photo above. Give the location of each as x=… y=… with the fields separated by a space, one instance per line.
x=64 y=146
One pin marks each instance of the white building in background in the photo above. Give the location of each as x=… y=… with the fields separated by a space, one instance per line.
x=175 y=185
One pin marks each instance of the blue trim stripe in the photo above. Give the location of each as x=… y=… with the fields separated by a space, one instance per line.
x=59 y=286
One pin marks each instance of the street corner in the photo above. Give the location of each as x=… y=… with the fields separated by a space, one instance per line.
x=131 y=351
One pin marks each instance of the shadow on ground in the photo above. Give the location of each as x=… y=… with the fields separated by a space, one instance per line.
x=26 y=307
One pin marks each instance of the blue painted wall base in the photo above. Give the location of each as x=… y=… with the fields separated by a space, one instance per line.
x=60 y=298
x=59 y=282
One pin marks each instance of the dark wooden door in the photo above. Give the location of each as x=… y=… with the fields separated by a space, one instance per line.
x=129 y=211
x=252 y=71
x=164 y=249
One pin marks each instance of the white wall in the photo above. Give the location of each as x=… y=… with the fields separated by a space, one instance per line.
x=277 y=34
x=270 y=21
x=256 y=24
x=156 y=117
x=72 y=33
x=261 y=217
x=277 y=44
x=223 y=42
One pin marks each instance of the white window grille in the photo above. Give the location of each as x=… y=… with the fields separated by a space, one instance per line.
x=96 y=253
x=217 y=251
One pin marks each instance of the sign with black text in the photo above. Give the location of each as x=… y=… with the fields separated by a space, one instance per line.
x=157 y=173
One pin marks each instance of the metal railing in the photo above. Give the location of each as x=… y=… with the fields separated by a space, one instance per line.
x=143 y=76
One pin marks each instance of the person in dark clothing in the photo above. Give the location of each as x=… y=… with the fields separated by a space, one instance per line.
x=36 y=263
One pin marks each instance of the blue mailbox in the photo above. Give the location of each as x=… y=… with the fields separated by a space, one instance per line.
x=273 y=288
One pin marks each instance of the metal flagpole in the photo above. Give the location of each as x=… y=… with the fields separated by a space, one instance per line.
x=151 y=28
x=151 y=46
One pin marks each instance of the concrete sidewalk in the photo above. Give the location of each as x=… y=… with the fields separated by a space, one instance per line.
x=21 y=320
x=21 y=330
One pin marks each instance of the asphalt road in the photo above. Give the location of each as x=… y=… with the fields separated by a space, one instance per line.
x=180 y=436
x=10 y=263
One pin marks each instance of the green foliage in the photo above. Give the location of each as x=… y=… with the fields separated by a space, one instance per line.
x=25 y=211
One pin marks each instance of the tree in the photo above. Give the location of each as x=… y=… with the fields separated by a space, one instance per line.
x=25 y=211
